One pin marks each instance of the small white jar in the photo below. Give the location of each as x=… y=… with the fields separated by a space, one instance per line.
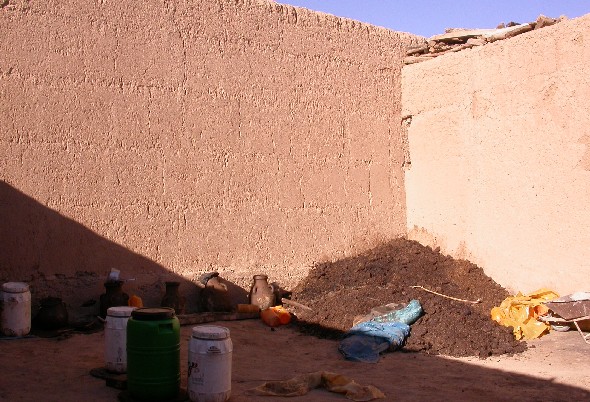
x=115 y=338
x=16 y=309
x=209 y=364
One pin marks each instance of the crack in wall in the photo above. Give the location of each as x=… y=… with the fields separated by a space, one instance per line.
x=404 y=141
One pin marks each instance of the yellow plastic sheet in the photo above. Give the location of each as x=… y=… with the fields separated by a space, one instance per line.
x=521 y=313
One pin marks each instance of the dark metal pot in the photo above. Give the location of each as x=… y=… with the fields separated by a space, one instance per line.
x=53 y=314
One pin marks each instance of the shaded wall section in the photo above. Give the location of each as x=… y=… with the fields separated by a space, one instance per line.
x=237 y=136
x=38 y=243
x=499 y=149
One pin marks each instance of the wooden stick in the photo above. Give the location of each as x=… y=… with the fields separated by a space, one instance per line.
x=201 y=318
x=448 y=297
x=295 y=304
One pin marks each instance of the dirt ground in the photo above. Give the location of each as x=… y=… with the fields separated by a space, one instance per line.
x=553 y=368
x=454 y=352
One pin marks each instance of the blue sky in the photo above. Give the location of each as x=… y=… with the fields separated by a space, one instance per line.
x=431 y=17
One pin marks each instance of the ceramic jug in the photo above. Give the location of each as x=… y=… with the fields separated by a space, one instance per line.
x=215 y=296
x=173 y=299
x=261 y=293
x=114 y=297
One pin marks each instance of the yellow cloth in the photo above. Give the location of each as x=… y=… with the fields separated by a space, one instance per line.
x=521 y=313
x=333 y=382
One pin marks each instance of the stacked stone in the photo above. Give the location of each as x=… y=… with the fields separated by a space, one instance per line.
x=454 y=40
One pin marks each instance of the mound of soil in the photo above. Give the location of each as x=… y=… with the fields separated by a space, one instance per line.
x=342 y=290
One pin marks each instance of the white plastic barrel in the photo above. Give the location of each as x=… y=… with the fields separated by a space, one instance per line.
x=115 y=338
x=16 y=309
x=209 y=364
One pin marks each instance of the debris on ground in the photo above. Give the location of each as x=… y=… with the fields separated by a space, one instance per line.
x=522 y=312
x=275 y=316
x=332 y=382
x=572 y=306
x=570 y=309
x=338 y=292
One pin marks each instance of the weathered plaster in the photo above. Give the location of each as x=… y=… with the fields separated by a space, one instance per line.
x=499 y=151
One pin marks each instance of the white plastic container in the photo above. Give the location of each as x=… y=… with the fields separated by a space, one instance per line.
x=115 y=338
x=16 y=309
x=209 y=364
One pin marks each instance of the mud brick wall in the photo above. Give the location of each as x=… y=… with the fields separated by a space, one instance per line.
x=500 y=156
x=171 y=138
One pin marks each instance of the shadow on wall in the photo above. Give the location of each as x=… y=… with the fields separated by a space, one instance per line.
x=59 y=257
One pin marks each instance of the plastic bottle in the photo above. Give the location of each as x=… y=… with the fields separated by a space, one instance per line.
x=135 y=301
x=275 y=316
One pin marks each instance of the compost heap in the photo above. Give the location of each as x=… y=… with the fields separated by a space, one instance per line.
x=338 y=292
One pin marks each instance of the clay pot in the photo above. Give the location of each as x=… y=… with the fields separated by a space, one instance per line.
x=173 y=299
x=114 y=297
x=261 y=293
x=215 y=296
x=53 y=314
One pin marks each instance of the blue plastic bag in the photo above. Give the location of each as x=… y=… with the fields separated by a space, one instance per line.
x=366 y=340
x=407 y=315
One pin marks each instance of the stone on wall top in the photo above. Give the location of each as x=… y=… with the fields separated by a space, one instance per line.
x=456 y=39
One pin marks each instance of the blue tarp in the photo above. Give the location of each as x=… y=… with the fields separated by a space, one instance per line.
x=366 y=340
x=407 y=315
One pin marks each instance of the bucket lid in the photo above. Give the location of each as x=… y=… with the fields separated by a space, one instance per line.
x=15 y=287
x=121 y=311
x=153 y=313
x=210 y=332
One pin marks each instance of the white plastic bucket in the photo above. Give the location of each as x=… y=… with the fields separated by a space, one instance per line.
x=16 y=309
x=209 y=364
x=115 y=338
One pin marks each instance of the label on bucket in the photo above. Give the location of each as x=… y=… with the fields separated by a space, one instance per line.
x=213 y=349
x=210 y=373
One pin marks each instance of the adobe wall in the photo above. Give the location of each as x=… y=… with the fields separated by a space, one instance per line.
x=188 y=136
x=500 y=156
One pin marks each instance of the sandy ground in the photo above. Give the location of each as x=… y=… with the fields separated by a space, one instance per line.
x=556 y=368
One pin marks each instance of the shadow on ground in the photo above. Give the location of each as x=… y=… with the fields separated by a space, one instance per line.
x=261 y=354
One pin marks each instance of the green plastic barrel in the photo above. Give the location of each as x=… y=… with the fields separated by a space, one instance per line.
x=153 y=354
